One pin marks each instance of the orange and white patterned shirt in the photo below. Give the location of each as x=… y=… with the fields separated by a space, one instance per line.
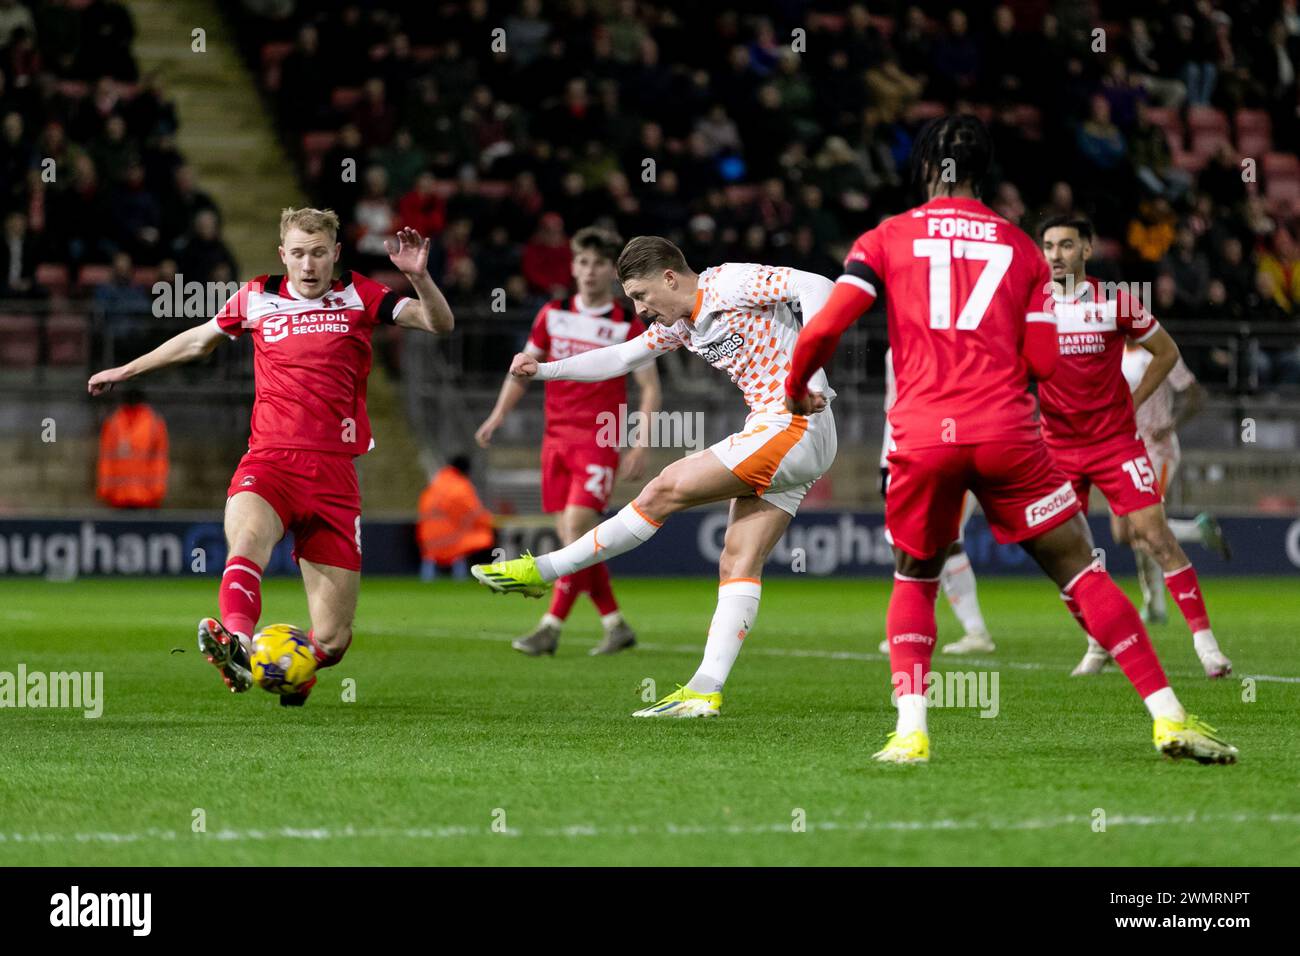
x=745 y=323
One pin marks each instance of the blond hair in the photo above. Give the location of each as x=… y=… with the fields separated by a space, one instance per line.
x=309 y=221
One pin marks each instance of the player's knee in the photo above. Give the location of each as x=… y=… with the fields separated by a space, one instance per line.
x=662 y=496
x=1159 y=543
x=737 y=562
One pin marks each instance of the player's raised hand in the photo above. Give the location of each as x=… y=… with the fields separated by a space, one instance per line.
x=632 y=467
x=485 y=431
x=101 y=382
x=409 y=252
x=524 y=366
x=811 y=403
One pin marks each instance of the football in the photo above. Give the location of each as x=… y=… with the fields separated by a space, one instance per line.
x=282 y=661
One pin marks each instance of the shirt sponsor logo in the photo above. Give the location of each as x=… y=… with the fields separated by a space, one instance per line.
x=1049 y=506
x=724 y=349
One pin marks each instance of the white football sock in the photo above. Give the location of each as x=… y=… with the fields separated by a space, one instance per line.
x=609 y=539
x=1152 y=580
x=1204 y=642
x=734 y=618
x=1164 y=703
x=1185 y=530
x=958 y=582
x=611 y=620
x=550 y=620
x=911 y=714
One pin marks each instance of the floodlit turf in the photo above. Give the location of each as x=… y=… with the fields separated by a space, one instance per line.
x=454 y=737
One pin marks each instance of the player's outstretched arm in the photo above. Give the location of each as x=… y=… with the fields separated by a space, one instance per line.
x=597 y=365
x=512 y=390
x=431 y=313
x=189 y=345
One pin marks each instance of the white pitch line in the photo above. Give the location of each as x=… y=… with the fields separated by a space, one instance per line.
x=760 y=650
x=320 y=834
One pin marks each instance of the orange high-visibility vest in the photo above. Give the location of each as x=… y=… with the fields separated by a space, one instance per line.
x=133 y=458
x=453 y=522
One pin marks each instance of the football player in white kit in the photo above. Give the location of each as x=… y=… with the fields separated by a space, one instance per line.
x=744 y=320
x=1158 y=425
x=957 y=577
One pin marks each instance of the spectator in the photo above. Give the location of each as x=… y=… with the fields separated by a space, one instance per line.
x=137 y=219
x=373 y=115
x=546 y=260
x=120 y=299
x=1188 y=270
x=203 y=251
x=423 y=208
x=184 y=202
x=373 y=220
x=1282 y=260
x=17 y=259
x=133 y=453
x=403 y=161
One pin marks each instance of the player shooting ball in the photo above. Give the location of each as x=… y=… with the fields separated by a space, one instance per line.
x=311 y=346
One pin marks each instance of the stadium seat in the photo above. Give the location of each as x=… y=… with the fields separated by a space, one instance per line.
x=145 y=276
x=19 y=346
x=68 y=339
x=1207 y=119
x=92 y=274
x=345 y=97
x=52 y=276
x=923 y=110
x=314 y=147
x=273 y=55
x=1028 y=118
x=1112 y=250
x=1206 y=142
x=1254 y=132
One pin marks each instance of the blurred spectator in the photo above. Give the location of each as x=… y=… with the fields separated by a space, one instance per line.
x=136 y=216
x=373 y=115
x=14 y=16
x=1151 y=233
x=1188 y=271
x=546 y=260
x=181 y=206
x=1281 y=259
x=498 y=260
x=1008 y=204
x=403 y=161
x=120 y=299
x=1151 y=160
x=374 y=220
x=203 y=252
x=17 y=259
x=423 y=208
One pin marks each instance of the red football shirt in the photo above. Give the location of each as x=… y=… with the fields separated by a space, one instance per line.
x=959 y=282
x=1088 y=400
x=311 y=358
x=566 y=327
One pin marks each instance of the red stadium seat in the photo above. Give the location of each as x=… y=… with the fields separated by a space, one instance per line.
x=924 y=110
x=69 y=340
x=423 y=54
x=1207 y=119
x=1254 y=132
x=1206 y=142
x=52 y=276
x=19 y=346
x=1167 y=119
x=1109 y=249
x=1283 y=165
x=314 y=147
x=144 y=275
x=884 y=24
x=92 y=275
x=273 y=55
x=345 y=97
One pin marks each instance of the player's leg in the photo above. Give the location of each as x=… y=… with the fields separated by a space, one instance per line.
x=558 y=485
x=958 y=582
x=252 y=529
x=696 y=480
x=1204 y=529
x=1152 y=534
x=753 y=529
x=332 y=606
x=1150 y=579
x=923 y=515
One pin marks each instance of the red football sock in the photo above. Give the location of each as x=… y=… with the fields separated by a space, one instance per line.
x=1072 y=606
x=1116 y=626
x=602 y=594
x=911 y=628
x=565 y=592
x=1186 y=591
x=323 y=657
x=240 y=597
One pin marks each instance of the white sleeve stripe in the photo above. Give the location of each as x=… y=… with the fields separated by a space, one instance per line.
x=862 y=284
x=1041 y=317
x=1155 y=327
x=401 y=304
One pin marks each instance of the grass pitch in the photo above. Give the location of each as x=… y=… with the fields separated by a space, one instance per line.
x=457 y=750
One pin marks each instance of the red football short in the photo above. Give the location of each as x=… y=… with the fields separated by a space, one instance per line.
x=316 y=496
x=577 y=474
x=1120 y=467
x=1019 y=486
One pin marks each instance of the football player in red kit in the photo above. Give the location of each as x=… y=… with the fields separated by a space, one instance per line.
x=1089 y=423
x=965 y=293
x=577 y=469
x=311 y=347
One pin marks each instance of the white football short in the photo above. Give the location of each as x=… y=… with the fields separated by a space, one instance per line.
x=780 y=455
x=1165 y=456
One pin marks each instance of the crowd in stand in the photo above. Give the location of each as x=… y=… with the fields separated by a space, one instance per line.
x=95 y=196
x=774 y=132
